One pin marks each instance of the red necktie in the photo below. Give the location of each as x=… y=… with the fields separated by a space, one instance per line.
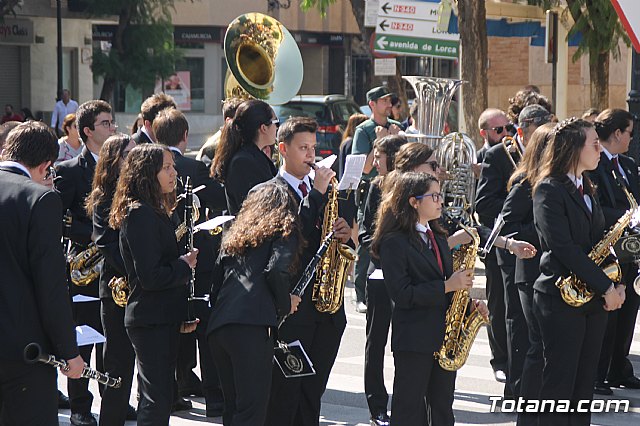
x=614 y=160
x=303 y=188
x=434 y=247
x=581 y=191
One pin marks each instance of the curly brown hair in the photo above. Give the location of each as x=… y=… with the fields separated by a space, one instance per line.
x=107 y=171
x=269 y=211
x=523 y=98
x=138 y=183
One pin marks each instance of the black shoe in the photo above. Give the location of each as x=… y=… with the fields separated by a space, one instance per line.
x=83 y=419
x=630 y=383
x=192 y=391
x=215 y=409
x=181 y=404
x=380 y=419
x=63 y=401
x=601 y=388
x=132 y=414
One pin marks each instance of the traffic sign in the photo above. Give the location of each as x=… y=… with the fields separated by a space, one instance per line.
x=629 y=14
x=417 y=46
x=426 y=11
x=413 y=28
x=385 y=66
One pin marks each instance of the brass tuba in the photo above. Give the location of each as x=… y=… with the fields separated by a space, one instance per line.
x=85 y=267
x=263 y=59
x=461 y=330
x=334 y=266
x=119 y=290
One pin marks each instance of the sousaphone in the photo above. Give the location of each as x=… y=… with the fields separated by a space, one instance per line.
x=263 y=58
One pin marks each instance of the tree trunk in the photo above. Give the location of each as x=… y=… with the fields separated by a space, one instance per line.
x=117 y=44
x=472 y=23
x=599 y=77
x=108 y=85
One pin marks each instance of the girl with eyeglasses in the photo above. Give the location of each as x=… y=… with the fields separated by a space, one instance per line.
x=118 y=353
x=418 y=270
x=569 y=221
x=240 y=162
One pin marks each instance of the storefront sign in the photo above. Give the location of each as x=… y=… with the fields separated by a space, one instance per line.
x=16 y=31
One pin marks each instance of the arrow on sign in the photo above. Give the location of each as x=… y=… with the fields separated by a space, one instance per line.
x=386 y=7
x=384 y=25
x=382 y=42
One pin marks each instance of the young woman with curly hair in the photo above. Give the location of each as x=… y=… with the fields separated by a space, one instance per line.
x=118 y=351
x=157 y=274
x=251 y=290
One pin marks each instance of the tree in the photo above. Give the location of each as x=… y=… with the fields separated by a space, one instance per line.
x=142 y=47
x=596 y=21
x=8 y=7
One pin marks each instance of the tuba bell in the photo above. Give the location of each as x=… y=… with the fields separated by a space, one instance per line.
x=85 y=267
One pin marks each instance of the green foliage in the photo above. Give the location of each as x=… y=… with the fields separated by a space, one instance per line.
x=322 y=5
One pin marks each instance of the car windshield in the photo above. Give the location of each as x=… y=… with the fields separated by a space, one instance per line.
x=316 y=111
x=343 y=110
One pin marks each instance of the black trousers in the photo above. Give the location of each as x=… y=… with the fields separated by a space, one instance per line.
x=187 y=359
x=28 y=394
x=517 y=330
x=119 y=360
x=377 y=329
x=86 y=313
x=296 y=401
x=571 y=339
x=422 y=391
x=364 y=256
x=531 y=380
x=244 y=354
x=497 y=330
x=156 y=350
x=614 y=364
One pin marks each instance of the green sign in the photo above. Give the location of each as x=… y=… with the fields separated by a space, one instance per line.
x=417 y=46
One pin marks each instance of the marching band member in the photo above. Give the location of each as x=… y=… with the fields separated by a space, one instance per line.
x=73 y=182
x=252 y=279
x=417 y=265
x=296 y=401
x=240 y=163
x=118 y=353
x=157 y=274
x=569 y=222
x=615 y=131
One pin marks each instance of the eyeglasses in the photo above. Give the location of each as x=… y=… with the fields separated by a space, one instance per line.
x=106 y=124
x=435 y=196
x=508 y=127
x=51 y=173
x=275 y=122
x=433 y=164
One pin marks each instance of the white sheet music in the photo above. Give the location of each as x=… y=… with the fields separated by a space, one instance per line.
x=86 y=335
x=353 y=167
x=326 y=162
x=212 y=223
x=79 y=298
x=376 y=275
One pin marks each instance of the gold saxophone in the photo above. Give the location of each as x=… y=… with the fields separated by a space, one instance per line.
x=334 y=266
x=85 y=267
x=573 y=290
x=460 y=332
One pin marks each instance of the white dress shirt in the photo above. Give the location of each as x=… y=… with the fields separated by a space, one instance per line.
x=294 y=182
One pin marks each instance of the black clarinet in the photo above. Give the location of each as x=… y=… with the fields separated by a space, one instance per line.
x=188 y=220
x=309 y=272
x=33 y=353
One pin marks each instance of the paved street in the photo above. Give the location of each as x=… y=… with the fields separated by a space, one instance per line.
x=344 y=401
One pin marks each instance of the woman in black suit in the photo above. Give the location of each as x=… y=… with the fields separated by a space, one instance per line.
x=240 y=163
x=569 y=222
x=117 y=350
x=157 y=274
x=417 y=266
x=251 y=285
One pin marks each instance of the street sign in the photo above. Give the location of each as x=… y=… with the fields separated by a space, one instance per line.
x=413 y=28
x=386 y=66
x=417 y=46
x=629 y=14
x=370 y=12
x=409 y=9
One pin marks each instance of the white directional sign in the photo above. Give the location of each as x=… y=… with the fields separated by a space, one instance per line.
x=425 y=11
x=413 y=28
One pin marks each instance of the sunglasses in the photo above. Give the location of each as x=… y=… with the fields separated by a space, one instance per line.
x=508 y=127
x=275 y=122
x=435 y=196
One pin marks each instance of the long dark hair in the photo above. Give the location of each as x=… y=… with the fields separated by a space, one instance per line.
x=610 y=120
x=107 y=171
x=529 y=167
x=270 y=210
x=138 y=183
x=396 y=213
x=562 y=154
x=241 y=131
x=354 y=121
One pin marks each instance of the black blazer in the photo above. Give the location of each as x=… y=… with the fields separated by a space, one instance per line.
x=157 y=277
x=518 y=217
x=567 y=232
x=108 y=242
x=140 y=137
x=611 y=197
x=73 y=182
x=253 y=289
x=34 y=300
x=248 y=167
x=416 y=287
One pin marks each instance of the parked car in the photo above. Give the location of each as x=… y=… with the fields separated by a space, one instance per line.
x=332 y=113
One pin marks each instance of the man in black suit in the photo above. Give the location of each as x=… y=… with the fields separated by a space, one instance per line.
x=171 y=128
x=149 y=109
x=73 y=183
x=614 y=367
x=296 y=401
x=33 y=291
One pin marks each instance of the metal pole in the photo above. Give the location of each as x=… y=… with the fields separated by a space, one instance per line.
x=634 y=105
x=59 y=28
